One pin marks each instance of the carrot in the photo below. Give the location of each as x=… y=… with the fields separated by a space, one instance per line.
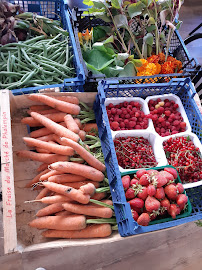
x=78 y=121
x=36 y=178
x=55 y=117
x=88 y=210
x=59 y=222
x=90 y=128
x=43 y=131
x=71 y=124
x=50 y=209
x=88 y=189
x=46 y=138
x=82 y=135
x=91 y=231
x=49 y=111
x=42 y=193
x=54 y=127
x=57 y=149
x=78 y=185
x=41 y=150
x=48 y=174
x=51 y=199
x=65 y=178
x=79 y=169
x=70 y=99
x=56 y=104
x=64 y=213
x=39 y=108
x=99 y=196
x=42 y=167
x=71 y=193
x=87 y=156
x=46 y=158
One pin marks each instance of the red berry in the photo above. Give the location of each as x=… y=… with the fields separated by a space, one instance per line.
x=151 y=190
x=152 y=204
x=143 y=219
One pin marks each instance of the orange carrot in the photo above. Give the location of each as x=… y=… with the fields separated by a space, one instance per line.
x=42 y=167
x=39 y=108
x=41 y=150
x=91 y=231
x=71 y=124
x=78 y=185
x=56 y=104
x=50 y=209
x=52 y=199
x=64 y=213
x=49 y=111
x=99 y=196
x=60 y=222
x=78 y=121
x=42 y=193
x=55 y=117
x=82 y=135
x=88 y=189
x=57 y=149
x=90 y=128
x=71 y=193
x=43 y=131
x=79 y=169
x=55 y=128
x=46 y=158
x=70 y=99
x=65 y=178
x=46 y=138
x=88 y=210
x=87 y=156
x=48 y=174
x=36 y=178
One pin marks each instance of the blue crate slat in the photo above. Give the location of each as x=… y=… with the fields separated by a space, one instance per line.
x=55 y=9
x=177 y=49
x=180 y=87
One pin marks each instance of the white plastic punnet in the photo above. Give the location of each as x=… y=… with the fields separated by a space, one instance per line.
x=180 y=109
x=145 y=109
x=193 y=137
x=153 y=140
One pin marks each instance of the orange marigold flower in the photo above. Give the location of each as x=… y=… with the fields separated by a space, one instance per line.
x=153 y=59
x=144 y=64
x=161 y=58
x=170 y=59
x=158 y=68
x=167 y=68
x=151 y=68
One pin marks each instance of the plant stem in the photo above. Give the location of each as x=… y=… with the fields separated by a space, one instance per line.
x=135 y=43
x=170 y=32
x=156 y=30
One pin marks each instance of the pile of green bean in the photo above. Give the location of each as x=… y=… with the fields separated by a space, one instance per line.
x=35 y=62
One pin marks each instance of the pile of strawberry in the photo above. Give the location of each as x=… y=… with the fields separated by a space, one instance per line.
x=154 y=193
x=126 y=115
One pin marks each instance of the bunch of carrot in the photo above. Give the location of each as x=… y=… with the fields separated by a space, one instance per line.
x=70 y=175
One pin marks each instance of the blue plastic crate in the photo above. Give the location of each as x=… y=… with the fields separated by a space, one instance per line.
x=177 y=49
x=180 y=87
x=55 y=9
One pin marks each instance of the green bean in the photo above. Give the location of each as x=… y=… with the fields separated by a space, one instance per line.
x=54 y=39
x=27 y=58
x=33 y=40
x=44 y=50
x=51 y=67
x=27 y=77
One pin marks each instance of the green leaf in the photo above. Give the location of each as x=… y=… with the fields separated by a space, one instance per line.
x=178 y=25
x=148 y=39
x=99 y=3
x=129 y=70
x=99 y=46
x=135 y=9
x=88 y=2
x=98 y=59
x=151 y=20
x=98 y=33
x=149 y=50
x=121 y=21
x=116 y=4
x=109 y=40
x=188 y=138
x=112 y=71
x=103 y=16
x=122 y=56
x=137 y=62
x=146 y=2
x=162 y=38
x=150 y=28
x=119 y=62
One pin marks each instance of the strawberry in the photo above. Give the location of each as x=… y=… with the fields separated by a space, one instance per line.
x=180 y=188
x=134 y=181
x=174 y=210
x=171 y=192
x=182 y=199
x=126 y=182
x=152 y=172
x=138 y=210
x=160 y=194
x=143 y=194
x=169 y=177
x=139 y=173
x=134 y=214
x=172 y=171
x=137 y=202
x=159 y=180
x=144 y=180
x=143 y=219
x=165 y=203
x=152 y=204
x=152 y=216
x=130 y=194
x=151 y=190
